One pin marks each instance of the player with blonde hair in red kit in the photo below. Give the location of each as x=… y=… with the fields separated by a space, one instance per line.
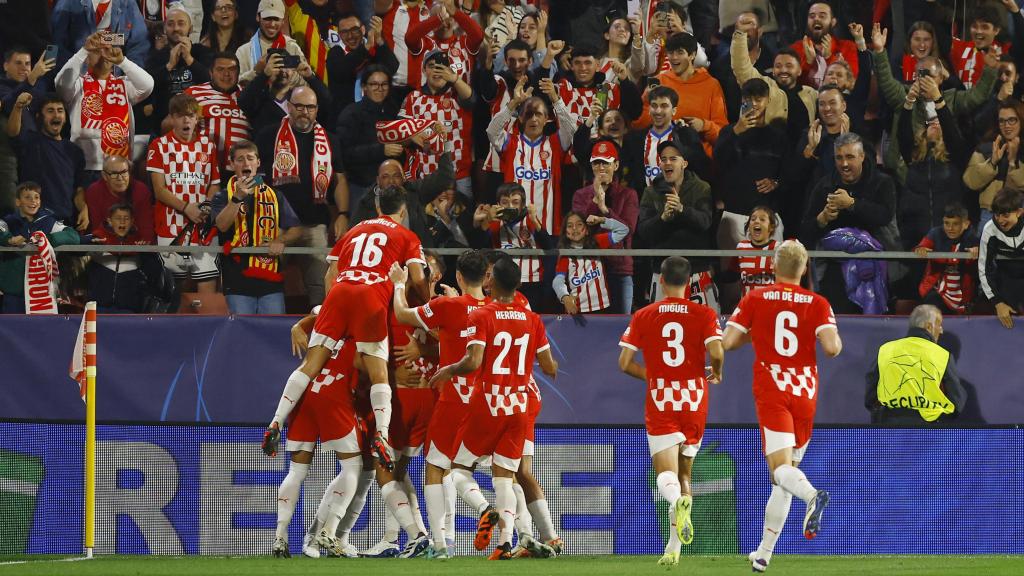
x=673 y=335
x=784 y=322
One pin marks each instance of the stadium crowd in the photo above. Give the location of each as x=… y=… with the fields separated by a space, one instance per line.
x=669 y=124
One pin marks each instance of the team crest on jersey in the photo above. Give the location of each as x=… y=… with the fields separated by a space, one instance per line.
x=545 y=155
x=284 y=161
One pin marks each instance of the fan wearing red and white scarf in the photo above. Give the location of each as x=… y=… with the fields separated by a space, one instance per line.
x=41 y=276
x=286 y=164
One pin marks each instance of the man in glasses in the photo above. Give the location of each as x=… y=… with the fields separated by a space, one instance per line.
x=117 y=187
x=357 y=50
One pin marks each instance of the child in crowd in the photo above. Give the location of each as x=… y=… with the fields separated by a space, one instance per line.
x=513 y=223
x=116 y=280
x=949 y=284
x=579 y=282
x=757 y=270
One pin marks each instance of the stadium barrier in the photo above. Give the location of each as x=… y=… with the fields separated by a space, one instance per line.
x=203 y=489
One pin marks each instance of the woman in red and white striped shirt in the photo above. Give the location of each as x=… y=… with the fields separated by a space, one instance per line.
x=580 y=280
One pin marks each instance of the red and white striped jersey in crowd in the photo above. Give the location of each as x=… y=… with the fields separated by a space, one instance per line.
x=758 y=269
x=651 y=140
x=189 y=169
x=518 y=235
x=396 y=24
x=585 y=279
x=578 y=100
x=537 y=167
x=462 y=59
x=950 y=287
x=968 y=61
x=222 y=121
x=443 y=108
x=493 y=161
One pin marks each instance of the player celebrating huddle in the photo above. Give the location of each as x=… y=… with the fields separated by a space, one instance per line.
x=504 y=338
x=673 y=334
x=784 y=321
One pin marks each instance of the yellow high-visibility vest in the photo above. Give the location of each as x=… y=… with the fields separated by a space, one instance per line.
x=909 y=376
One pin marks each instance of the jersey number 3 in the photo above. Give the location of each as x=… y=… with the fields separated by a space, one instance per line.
x=676 y=354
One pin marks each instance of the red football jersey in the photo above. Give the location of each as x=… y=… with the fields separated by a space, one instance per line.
x=511 y=336
x=366 y=252
x=673 y=335
x=450 y=317
x=783 y=321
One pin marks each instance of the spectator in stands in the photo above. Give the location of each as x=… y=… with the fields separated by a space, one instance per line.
x=701 y=103
x=221 y=118
x=178 y=65
x=624 y=44
x=970 y=56
x=785 y=93
x=357 y=132
x=116 y=279
x=998 y=162
x=449 y=219
x=532 y=30
x=858 y=196
x=500 y=20
x=264 y=100
x=156 y=11
x=820 y=47
x=817 y=143
x=28 y=217
x=856 y=87
x=21 y=76
x=1002 y=280
x=579 y=87
x=118 y=188
x=609 y=198
x=580 y=282
x=51 y=160
x=357 y=52
x=751 y=155
x=303 y=167
x=102 y=122
x=250 y=213
x=758 y=57
x=914 y=380
x=515 y=223
x=758 y=268
x=313 y=25
x=935 y=157
x=450 y=30
x=960 y=102
x=227 y=32
x=75 y=22
x=675 y=212
x=922 y=42
x=398 y=17
x=445 y=97
x=948 y=284
x=1006 y=89
x=270 y=16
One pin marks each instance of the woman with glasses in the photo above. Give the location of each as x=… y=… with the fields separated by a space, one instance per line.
x=226 y=32
x=997 y=161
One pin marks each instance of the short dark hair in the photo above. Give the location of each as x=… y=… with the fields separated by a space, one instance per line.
x=505 y=275
x=16 y=49
x=517 y=44
x=225 y=55
x=681 y=41
x=755 y=87
x=757 y=12
x=955 y=209
x=827 y=87
x=374 y=69
x=788 y=51
x=120 y=208
x=663 y=92
x=241 y=145
x=675 y=271
x=492 y=255
x=987 y=13
x=583 y=52
x=510 y=188
x=472 y=264
x=348 y=14
x=1007 y=200
x=49 y=98
x=26 y=186
x=390 y=200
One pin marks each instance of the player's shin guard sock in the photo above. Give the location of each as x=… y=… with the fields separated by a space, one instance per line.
x=674 y=544
x=437 y=513
x=343 y=490
x=668 y=487
x=398 y=504
x=414 y=503
x=542 y=516
x=775 y=514
x=524 y=521
x=505 y=503
x=469 y=490
x=449 y=505
x=793 y=480
x=293 y=390
x=380 y=401
x=355 y=507
x=287 y=495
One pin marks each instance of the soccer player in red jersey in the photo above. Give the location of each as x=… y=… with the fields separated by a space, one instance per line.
x=504 y=339
x=357 y=308
x=784 y=322
x=673 y=335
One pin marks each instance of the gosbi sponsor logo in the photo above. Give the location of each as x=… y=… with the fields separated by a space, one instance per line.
x=218 y=111
x=524 y=173
x=652 y=171
x=581 y=280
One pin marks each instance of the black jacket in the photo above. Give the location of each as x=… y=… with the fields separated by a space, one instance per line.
x=873 y=209
x=344 y=69
x=687 y=230
x=357 y=134
x=260 y=108
x=743 y=159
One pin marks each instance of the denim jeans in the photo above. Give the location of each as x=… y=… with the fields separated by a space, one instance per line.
x=620 y=288
x=269 y=304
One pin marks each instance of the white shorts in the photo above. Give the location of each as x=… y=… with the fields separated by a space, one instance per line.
x=663 y=442
x=468 y=459
x=375 y=349
x=349 y=444
x=775 y=441
x=528 y=448
x=200 y=266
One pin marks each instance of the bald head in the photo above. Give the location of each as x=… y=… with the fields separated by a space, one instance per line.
x=390 y=174
x=790 y=262
x=302 y=108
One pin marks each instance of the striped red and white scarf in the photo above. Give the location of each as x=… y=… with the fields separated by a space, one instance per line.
x=41 y=276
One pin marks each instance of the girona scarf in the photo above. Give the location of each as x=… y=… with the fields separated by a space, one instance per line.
x=106 y=110
x=286 y=164
x=397 y=131
x=41 y=277
x=256 y=225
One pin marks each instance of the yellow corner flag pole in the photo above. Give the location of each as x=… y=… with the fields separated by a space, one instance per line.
x=90 y=428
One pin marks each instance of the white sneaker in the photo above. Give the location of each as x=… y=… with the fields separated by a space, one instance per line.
x=329 y=543
x=309 y=547
x=348 y=550
x=757 y=563
x=280 y=548
x=383 y=549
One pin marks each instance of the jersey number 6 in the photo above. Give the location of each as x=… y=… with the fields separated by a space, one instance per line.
x=785 y=340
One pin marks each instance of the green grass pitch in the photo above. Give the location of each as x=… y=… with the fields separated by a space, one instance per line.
x=563 y=566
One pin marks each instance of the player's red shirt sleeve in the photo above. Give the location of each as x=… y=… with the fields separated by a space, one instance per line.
x=743 y=317
x=631 y=337
x=824 y=317
x=712 y=329
x=413 y=250
x=476 y=328
x=434 y=314
x=336 y=251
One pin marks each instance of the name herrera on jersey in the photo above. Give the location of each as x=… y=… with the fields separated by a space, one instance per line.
x=786 y=296
x=677 y=308
x=509 y=315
